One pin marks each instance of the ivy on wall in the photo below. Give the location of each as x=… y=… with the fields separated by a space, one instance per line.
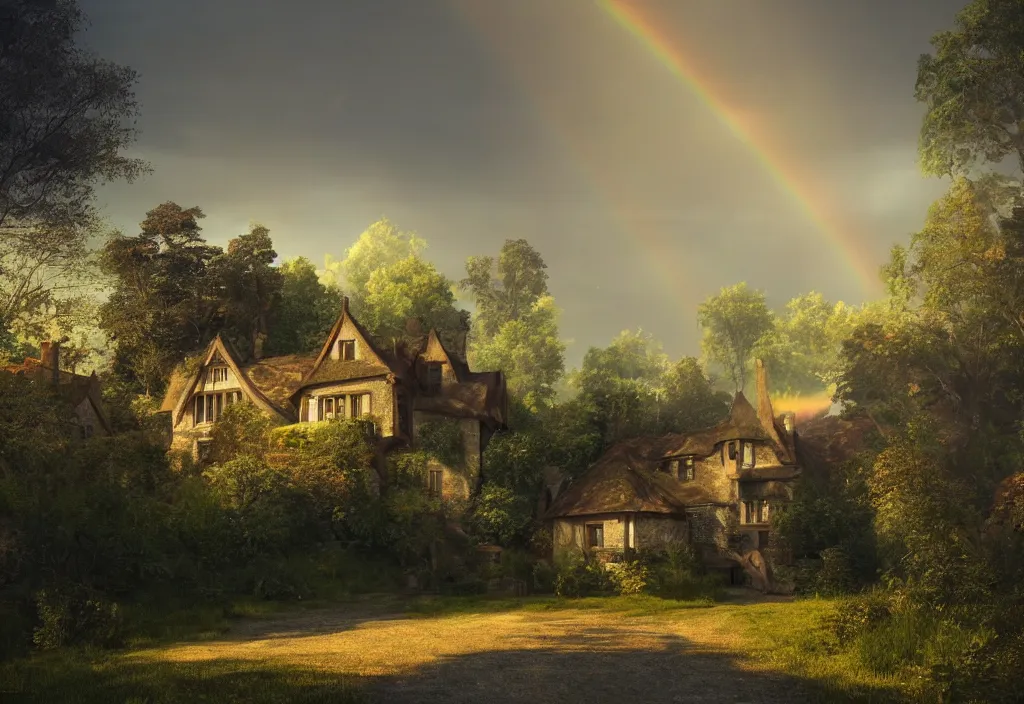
x=442 y=439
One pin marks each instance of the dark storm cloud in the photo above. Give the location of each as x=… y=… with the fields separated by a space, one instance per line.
x=474 y=121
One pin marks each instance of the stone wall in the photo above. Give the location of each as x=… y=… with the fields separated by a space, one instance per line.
x=382 y=400
x=460 y=482
x=659 y=532
x=710 y=525
x=711 y=476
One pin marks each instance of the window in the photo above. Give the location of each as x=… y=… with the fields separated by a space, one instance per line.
x=219 y=374
x=328 y=408
x=357 y=407
x=347 y=349
x=732 y=450
x=755 y=511
x=433 y=376
x=203 y=451
x=88 y=431
x=208 y=407
x=748 y=454
x=673 y=468
x=688 y=468
x=332 y=407
x=595 y=535
x=435 y=481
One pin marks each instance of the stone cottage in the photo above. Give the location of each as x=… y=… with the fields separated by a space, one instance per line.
x=82 y=394
x=397 y=392
x=715 y=489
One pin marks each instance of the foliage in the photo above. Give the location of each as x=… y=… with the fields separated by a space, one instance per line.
x=443 y=440
x=63 y=123
x=580 y=577
x=733 y=321
x=630 y=577
x=389 y=282
x=506 y=289
x=248 y=288
x=301 y=317
x=160 y=308
x=972 y=86
x=528 y=351
x=500 y=516
x=73 y=617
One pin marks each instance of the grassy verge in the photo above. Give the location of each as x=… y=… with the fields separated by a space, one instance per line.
x=788 y=637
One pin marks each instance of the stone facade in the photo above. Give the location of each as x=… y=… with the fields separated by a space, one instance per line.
x=351 y=377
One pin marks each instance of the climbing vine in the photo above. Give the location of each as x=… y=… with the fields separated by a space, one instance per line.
x=442 y=439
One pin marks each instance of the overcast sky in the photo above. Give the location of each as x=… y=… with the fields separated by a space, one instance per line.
x=474 y=121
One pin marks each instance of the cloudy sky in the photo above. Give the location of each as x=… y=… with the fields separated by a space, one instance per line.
x=652 y=150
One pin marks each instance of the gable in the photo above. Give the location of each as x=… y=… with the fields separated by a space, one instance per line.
x=219 y=355
x=332 y=365
x=434 y=352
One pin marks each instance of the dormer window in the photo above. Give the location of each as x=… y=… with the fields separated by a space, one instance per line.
x=433 y=380
x=346 y=350
x=219 y=374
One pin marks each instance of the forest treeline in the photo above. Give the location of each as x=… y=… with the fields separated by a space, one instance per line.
x=923 y=527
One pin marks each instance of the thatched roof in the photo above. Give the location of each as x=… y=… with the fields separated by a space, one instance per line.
x=481 y=397
x=279 y=377
x=337 y=370
x=626 y=479
x=742 y=423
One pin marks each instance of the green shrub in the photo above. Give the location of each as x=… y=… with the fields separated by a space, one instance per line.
x=856 y=614
x=835 y=575
x=544 y=576
x=579 y=577
x=631 y=577
x=73 y=616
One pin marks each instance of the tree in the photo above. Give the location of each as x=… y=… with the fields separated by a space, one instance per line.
x=973 y=86
x=302 y=315
x=388 y=281
x=248 y=287
x=411 y=288
x=802 y=348
x=733 y=322
x=529 y=353
x=515 y=326
x=690 y=399
x=624 y=385
x=506 y=289
x=62 y=119
x=162 y=306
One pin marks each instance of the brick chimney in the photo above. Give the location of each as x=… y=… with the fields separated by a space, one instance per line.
x=344 y=304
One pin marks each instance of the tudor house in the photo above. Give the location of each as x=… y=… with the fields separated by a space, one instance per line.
x=82 y=395
x=397 y=392
x=715 y=489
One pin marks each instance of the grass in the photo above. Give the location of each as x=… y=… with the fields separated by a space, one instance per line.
x=265 y=652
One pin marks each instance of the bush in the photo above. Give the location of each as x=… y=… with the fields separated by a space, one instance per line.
x=895 y=642
x=73 y=616
x=835 y=576
x=630 y=577
x=544 y=576
x=677 y=573
x=855 y=615
x=578 y=577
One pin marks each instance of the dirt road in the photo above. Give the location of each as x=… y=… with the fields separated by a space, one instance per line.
x=556 y=656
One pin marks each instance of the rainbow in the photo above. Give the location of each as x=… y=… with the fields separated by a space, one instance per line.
x=786 y=174
x=651 y=240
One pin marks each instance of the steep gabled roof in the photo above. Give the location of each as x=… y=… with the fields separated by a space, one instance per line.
x=326 y=370
x=626 y=479
x=742 y=423
x=480 y=395
x=183 y=384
